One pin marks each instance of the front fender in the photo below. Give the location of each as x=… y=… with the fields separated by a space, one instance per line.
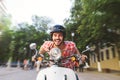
x=56 y=73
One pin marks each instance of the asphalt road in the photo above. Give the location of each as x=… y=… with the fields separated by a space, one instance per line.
x=17 y=74
x=20 y=74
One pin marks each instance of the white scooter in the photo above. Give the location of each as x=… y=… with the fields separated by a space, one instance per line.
x=55 y=72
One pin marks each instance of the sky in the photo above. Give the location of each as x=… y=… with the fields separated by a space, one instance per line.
x=22 y=10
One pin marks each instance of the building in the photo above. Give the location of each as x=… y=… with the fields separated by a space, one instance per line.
x=108 y=59
x=3 y=9
x=3 y=13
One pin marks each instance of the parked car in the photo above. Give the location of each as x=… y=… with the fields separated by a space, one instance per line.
x=15 y=64
x=3 y=64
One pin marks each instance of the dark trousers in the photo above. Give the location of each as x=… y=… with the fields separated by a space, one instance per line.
x=81 y=67
x=32 y=64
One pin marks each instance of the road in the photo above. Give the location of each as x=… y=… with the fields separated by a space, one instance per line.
x=17 y=74
x=20 y=74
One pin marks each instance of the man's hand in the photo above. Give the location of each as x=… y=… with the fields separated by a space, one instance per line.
x=83 y=58
x=39 y=55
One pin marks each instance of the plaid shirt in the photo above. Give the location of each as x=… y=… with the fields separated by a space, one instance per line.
x=69 y=49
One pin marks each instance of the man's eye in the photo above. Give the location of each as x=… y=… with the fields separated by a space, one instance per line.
x=55 y=35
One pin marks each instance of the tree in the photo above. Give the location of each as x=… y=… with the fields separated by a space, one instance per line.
x=5 y=37
x=30 y=33
x=41 y=23
x=15 y=43
x=97 y=21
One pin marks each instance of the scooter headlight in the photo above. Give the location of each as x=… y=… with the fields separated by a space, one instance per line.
x=55 y=53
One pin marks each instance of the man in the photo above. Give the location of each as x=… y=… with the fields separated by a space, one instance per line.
x=57 y=35
x=82 y=61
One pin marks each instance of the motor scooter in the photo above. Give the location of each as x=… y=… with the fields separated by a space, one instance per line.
x=55 y=71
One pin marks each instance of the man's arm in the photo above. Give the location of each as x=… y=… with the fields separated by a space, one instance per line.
x=41 y=52
x=77 y=51
x=82 y=56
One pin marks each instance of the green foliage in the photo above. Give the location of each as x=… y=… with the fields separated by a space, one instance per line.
x=95 y=21
x=41 y=23
x=15 y=43
x=5 y=22
x=26 y=35
x=5 y=37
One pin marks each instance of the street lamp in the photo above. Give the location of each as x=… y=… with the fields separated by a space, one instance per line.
x=24 y=48
x=25 y=51
x=72 y=34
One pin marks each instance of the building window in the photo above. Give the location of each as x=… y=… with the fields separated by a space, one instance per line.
x=102 y=56
x=113 y=52
x=107 y=54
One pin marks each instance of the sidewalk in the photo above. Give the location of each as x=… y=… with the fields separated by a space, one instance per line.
x=104 y=72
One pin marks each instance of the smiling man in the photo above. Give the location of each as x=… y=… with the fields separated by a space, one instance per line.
x=68 y=48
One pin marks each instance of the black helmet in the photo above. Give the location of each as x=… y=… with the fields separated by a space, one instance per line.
x=58 y=28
